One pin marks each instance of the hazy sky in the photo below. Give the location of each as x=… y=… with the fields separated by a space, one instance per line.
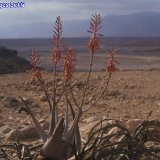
x=47 y=10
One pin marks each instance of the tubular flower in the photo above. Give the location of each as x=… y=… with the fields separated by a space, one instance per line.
x=55 y=55
x=69 y=65
x=95 y=26
x=111 y=63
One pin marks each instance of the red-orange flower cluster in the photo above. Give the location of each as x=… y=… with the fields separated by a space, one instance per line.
x=34 y=59
x=55 y=55
x=94 y=44
x=69 y=65
x=36 y=74
x=35 y=62
x=111 y=63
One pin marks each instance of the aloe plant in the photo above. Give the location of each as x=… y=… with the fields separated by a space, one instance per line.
x=61 y=136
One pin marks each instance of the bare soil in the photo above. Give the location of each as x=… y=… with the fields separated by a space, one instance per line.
x=131 y=94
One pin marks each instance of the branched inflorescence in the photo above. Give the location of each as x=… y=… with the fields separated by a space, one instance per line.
x=111 y=62
x=57 y=33
x=57 y=40
x=69 y=62
x=95 y=26
x=35 y=62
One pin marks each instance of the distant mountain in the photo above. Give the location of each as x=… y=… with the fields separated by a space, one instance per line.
x=144 y=24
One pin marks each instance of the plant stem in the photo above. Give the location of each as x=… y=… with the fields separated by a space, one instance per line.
x=74 y=99
x=54 y=117
x=109 y=78
x=87 y=82
x=46 y=93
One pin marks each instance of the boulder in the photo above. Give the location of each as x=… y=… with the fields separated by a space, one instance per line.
x=133 y=123
x=27 y=133
x=14 y=135
x=87 y=128
x=43 y=98
x=92 y=119
x=5 y=129
x=30 y=133
x=10 y=102
x=45 y=125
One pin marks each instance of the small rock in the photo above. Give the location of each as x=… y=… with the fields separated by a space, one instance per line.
x=158 y=103
x=15 y=134
x=39 y=88
x=43 y=98
x=126 y=116
x=98 y=77
x=58 y=79
x=49 y=83
x=22 y=134
x=35 y=105
x=22 y=109
x=1 y=97
x=60 y=83
x=45 y=125
x=113 y=130
x=87 y=128
x=29 y=100
x=1 y=117
x=1 y=124
x=43 y=119
x=92 y=119
x=132 y=86
x=30 y=133
x=10 y=102
x=34 y=88
x=133 y=123
x=50 y=88
x=5 y=129
x=105 y=117
x=26 y=83
x=114 y=93
x=78 y=84
x=40 y=158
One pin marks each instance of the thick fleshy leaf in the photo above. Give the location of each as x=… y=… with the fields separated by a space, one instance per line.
x=53 y=148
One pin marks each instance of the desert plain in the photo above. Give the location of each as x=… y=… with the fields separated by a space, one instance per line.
x=130 y=95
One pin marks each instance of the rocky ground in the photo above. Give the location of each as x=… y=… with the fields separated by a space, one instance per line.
x=131 y=95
